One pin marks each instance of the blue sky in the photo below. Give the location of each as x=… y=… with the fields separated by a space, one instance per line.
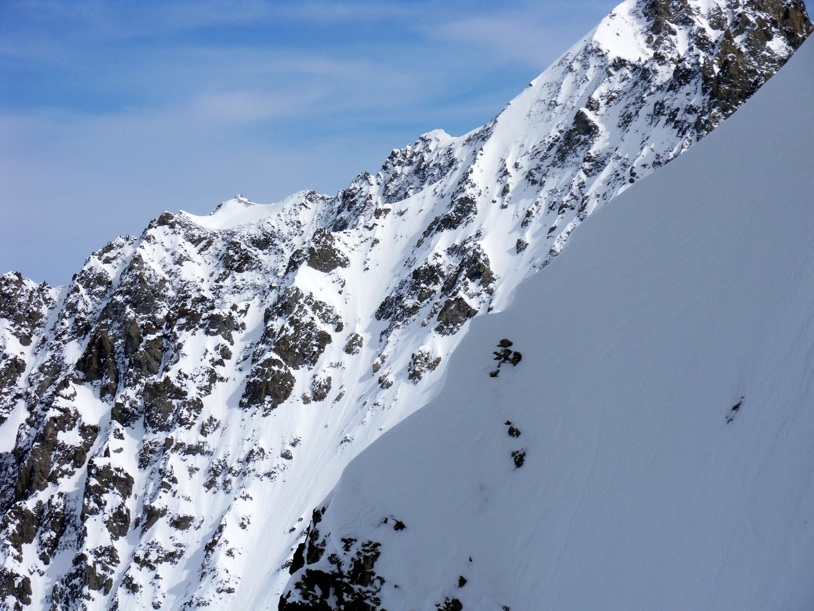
x=112 y=112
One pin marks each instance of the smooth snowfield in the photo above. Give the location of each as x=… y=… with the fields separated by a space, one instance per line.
x=693 y=293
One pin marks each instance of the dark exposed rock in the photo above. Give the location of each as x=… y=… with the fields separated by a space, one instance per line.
x=118 y=524
x=344 y=580
x=130 y=584
x=209 y=426
x=430 y=283
x=421 y=362
x=148 y=359
x=98 y=363
x=45 y=376
x=323 y=254
x=355 y=586
x=16 y=587
x=154 y=554
x=300 y=340
x=450 y=604
x=661 y=12
x=11 y=368
x=223 y=324
x=165 y=219
x=474 y=267
x=577 y=139
x=453 y=315
x=270 y=381
x=191 y=449
x=297 y=258
x=300 y=343
x=24 y=304
x=92 y=573
x=217 y=475
x=743 y=61
x=354 y=203
x=354 y=344
x=77 y=454
x=409 y=170
x=293 y=302
x=103 y=479
x=462 y=210
x=48 y=459
x=313 y=550
x=505 y=355
x=239 y=259
x=54 y=523
x=412 y=294
x=22 y=525
x=320 y=388
x=189 y=412
x=519 y=458
x=182 y=522
x=189 y=313
x=151 y=515
x=160 y=399
x=734 y=410
x=132 y=338
x=127 y=410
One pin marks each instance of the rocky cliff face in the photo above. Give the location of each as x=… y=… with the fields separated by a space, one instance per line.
x=173 y=416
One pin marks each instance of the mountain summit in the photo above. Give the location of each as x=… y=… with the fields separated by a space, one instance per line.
x=173 y=416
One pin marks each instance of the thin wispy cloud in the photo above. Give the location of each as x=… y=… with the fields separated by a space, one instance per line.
x=509 y=38
x=251 y=107
x=531 y=33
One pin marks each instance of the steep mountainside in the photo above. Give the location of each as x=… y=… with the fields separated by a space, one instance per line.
x=651 y=448
x=174 y=414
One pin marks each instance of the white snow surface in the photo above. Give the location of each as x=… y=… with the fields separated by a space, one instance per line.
x=642 y=488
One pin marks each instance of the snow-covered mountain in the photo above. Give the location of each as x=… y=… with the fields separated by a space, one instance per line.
x=652 y=448
x=174 y=415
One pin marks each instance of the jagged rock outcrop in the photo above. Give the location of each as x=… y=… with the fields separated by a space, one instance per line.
x=24 y=307
x=351 y=582
x=175 y=413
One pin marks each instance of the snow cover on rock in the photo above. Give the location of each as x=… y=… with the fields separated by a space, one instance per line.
x=652 y=448
x=188 y=400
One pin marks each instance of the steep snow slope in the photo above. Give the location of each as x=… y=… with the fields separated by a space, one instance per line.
x=653 y=447
x=195 y=392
